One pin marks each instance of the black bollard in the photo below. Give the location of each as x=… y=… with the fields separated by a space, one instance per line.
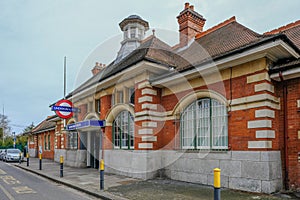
x=27 y=157
x=20 y=158
x=61 y=160
x=40 y=161
x=102 y=174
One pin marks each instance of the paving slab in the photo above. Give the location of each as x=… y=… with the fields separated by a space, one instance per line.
x=121 y=187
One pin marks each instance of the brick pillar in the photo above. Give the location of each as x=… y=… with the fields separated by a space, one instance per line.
x=147 y=116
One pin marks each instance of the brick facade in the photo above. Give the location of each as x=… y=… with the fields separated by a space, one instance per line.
x=293 y=128
x=254 y=158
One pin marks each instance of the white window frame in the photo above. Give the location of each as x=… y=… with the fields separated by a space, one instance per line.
x=204 y=118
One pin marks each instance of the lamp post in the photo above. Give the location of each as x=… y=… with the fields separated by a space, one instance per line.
x=1 y=128
x=14 y=134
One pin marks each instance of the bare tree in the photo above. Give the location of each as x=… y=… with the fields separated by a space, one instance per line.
x=4 y=126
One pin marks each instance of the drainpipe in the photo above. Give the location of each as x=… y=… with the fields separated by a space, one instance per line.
x=285 y=122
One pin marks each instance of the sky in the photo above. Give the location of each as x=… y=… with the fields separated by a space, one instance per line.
x=36 y=35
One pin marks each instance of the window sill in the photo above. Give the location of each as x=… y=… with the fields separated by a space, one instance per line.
x=124 y=149
x=203 y=150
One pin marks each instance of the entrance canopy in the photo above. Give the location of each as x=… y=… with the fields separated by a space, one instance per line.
x=86 y=125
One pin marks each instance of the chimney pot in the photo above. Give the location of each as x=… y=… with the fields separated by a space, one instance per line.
x=100 y=65
x=186 y=5
x=97 y=63
x=192 y=7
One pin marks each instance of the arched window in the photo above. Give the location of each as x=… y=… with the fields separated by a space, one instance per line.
x=123 y=131
x=204 y=125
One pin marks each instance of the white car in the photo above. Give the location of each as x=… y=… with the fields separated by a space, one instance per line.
x=13 y=155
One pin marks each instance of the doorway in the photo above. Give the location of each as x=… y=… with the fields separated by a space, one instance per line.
x=93 y=149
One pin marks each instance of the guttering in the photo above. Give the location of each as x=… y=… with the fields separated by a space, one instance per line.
x=285 y=141
x=288 y=74
x=44 y=130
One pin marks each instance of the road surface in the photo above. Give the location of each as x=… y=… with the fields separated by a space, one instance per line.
x=16 y=184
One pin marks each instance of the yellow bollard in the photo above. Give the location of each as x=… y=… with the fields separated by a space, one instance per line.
x=101 y=174
x=101 y=164
x=217 y=184
x=61 y=159
x=217 y=178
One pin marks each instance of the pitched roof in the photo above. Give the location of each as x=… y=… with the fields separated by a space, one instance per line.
x=151 y=49
x=218 y=41
x=292 y=31
x=221 y=40
x=44 y=126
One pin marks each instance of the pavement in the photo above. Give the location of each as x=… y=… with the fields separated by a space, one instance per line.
x=119 y=187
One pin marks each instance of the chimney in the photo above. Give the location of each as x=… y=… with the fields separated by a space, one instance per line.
x=190 y=24
x=98 y=67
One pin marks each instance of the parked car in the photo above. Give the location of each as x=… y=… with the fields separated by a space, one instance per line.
x=2 y=153
x=13 y=155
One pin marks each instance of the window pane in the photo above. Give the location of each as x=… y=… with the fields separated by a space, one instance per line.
x=203 y=125
x=49 y=142
x=219 y=123
x=132 y=32
x=131 y=95
x=187 y=127
x=123 y=127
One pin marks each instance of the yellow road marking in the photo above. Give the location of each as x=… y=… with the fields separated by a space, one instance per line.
x=7 y=193
x=23 y=190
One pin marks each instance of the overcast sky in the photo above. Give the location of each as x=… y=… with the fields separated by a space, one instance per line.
x=36 y=35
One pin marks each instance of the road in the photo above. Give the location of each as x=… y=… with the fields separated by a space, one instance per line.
x=16 y=184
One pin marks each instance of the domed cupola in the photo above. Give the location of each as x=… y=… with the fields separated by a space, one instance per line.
x=134 y=28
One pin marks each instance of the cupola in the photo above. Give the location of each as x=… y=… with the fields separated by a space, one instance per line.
x=134 y=29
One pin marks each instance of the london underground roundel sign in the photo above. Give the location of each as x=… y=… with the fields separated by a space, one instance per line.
x=63 y=108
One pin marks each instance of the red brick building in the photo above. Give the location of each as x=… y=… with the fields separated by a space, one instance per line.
x=41 y=139
x=224 y=97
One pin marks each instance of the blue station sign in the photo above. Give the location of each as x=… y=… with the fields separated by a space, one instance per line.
x=64 y=109
x=86 y=124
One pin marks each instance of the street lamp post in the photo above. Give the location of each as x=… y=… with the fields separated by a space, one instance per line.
x=2 y=135
x=14 y=134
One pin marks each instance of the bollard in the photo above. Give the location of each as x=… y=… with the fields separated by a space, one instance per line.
x=40 y=161
x=27 y=157
x=217 y=184
x=61 y=161
x=20 y=157
x=101 y=174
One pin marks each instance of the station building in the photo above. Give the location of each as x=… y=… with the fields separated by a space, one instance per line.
x=41 y=139
x=224 y=97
